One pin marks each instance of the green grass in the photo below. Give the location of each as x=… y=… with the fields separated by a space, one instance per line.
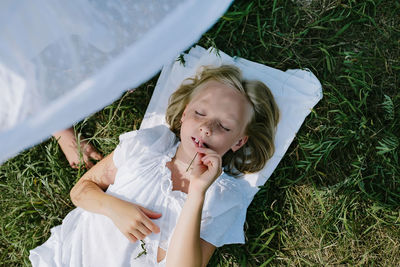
x=335 y=197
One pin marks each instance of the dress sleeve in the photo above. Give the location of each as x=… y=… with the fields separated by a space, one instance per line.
x=143 y=143
x=224 y=214
x=126 y=146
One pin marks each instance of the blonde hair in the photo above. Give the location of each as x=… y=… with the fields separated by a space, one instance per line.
x=259 y=148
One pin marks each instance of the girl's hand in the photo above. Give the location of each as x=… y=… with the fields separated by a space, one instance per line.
x=206 y=168
x=133 y=220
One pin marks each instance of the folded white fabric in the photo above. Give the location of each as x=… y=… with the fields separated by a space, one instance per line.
x=63 y=60
x=296 y=93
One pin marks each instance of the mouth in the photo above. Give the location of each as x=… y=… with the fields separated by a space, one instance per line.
x=199 y=143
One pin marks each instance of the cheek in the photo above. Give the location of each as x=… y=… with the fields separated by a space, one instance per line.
x=225 y=144
x=184 y=127
x=187 y=127
x=193 y=117
x=192 y=120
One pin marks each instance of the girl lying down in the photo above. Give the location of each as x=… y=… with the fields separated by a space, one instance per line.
x=170 y=196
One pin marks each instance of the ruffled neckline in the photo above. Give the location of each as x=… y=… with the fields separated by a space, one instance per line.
x=166 y=183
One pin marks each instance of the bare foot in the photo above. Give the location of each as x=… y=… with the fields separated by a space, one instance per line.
x=68 y=143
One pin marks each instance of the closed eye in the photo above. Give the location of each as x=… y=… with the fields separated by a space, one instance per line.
x=198 y=113
x=226 y=129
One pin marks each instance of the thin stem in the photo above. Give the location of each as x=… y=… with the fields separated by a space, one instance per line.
x=190 y=164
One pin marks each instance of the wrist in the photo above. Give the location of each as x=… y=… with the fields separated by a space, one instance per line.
x=109 y=205
x=198 y=195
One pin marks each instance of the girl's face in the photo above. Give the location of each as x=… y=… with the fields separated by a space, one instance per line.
x=216 y=118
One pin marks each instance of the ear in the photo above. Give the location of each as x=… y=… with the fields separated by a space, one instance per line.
x=239 y=143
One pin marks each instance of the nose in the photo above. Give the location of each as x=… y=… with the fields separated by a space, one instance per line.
x=206 y=128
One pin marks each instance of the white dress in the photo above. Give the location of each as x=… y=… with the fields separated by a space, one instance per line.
x=89 y=239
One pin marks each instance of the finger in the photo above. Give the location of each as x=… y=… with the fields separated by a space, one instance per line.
x=213 y=157
x=214 y=164
x=131 y=237
x=198 y=159
x=214 y=160
x=150 y=214
x=136 y=233
x=205 y=151
x=151 y=225
x=144 y=230
x=198 y=166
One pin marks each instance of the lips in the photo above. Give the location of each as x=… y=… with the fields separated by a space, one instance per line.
x=199 y=142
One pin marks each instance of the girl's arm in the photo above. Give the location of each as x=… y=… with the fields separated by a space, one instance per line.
x=186 y=247
x=88 y=193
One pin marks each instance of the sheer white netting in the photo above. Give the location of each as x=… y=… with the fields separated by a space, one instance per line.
x=62 y=60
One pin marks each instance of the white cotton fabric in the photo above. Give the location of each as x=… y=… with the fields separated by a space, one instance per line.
x=88 y=239
x=60 y=61
x=295 y=91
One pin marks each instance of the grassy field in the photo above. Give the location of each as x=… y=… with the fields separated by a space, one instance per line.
x=335 y=197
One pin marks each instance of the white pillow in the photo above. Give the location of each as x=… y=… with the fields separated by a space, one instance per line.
x=296 y=92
